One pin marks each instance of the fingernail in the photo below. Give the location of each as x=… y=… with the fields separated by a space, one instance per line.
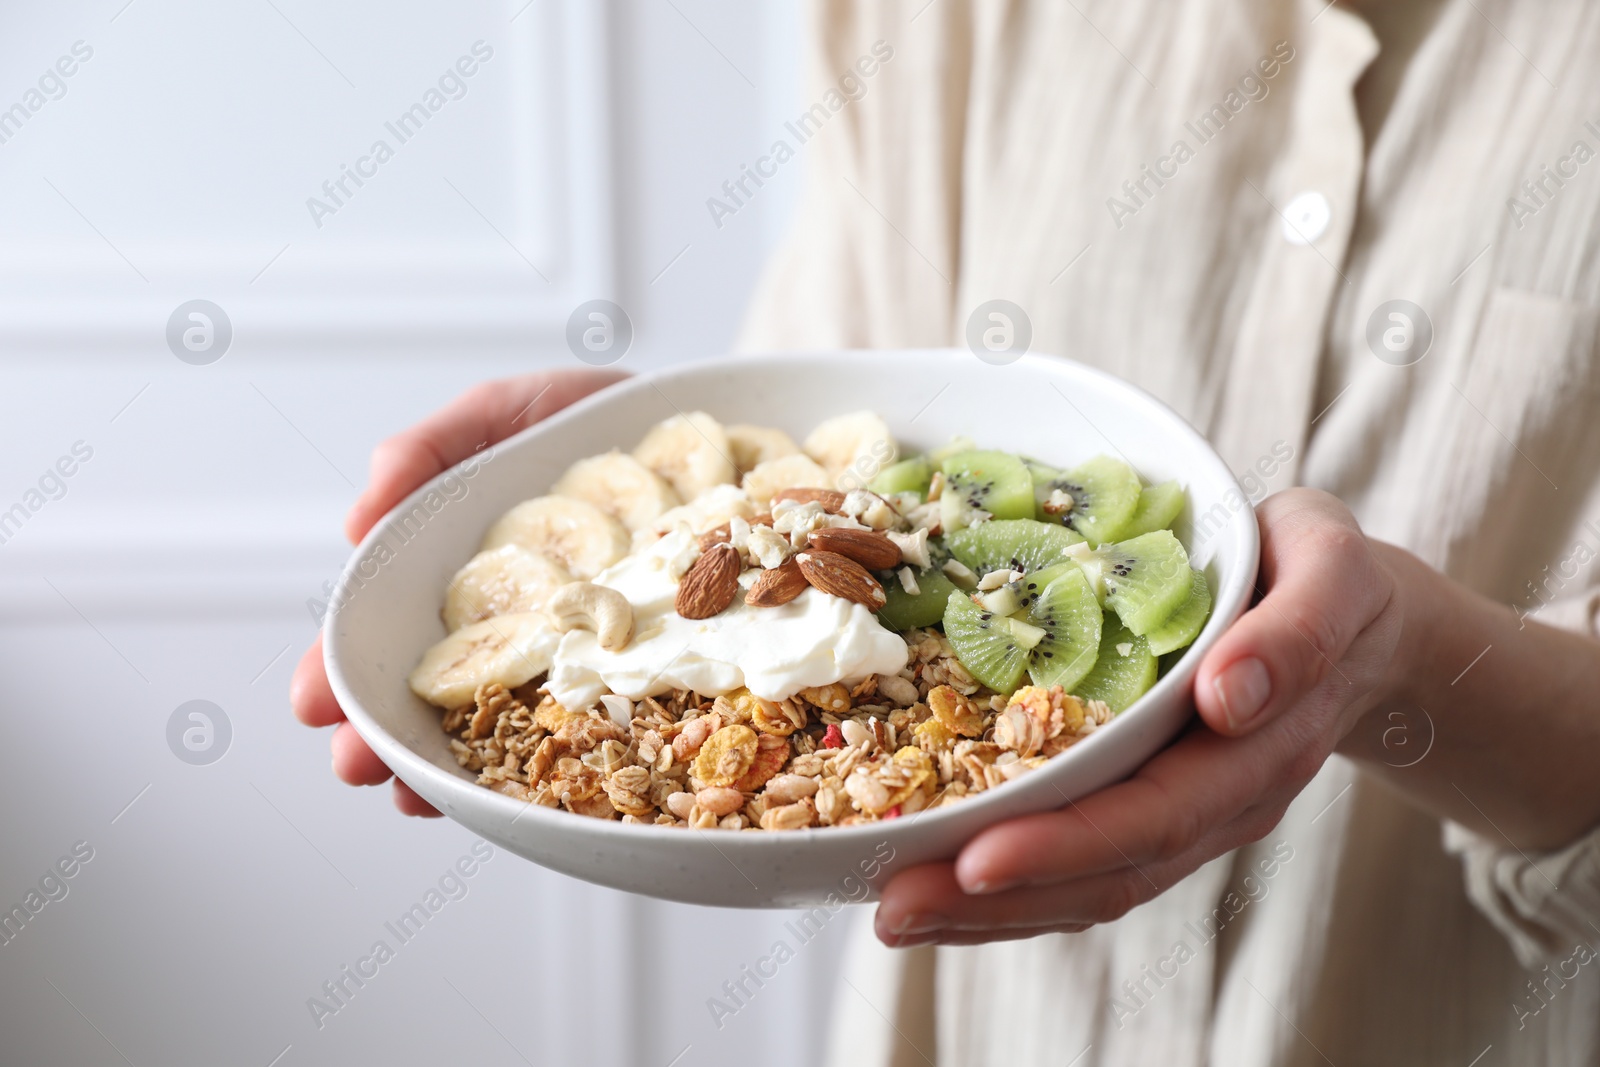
x=923 y=922
x=983 y=888
x=1243 y=690
x=912 y=940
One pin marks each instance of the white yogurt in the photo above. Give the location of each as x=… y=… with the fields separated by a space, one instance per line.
x=814 y=639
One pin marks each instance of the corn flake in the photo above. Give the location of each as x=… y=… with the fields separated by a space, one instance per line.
x=772 y=752
x=955 y=712
x=726 y=755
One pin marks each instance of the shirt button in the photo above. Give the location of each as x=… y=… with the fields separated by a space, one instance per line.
x=1306 y=218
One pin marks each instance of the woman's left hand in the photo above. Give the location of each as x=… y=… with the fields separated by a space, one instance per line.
x=1275 y=695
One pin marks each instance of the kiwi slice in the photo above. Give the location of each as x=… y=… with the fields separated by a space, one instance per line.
x=1070 y=616
x=1183 y=625
x=908 y=476
x=1032 y=584
x=1025 y=545
x=1145 y=578
x=1124 y=671
x=986 y=644
x=1104 y=491
x=1157 y=509
x=994 y=483
x=908 y=611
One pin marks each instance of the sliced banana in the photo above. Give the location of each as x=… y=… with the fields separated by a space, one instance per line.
x=575 y=533
x=690 y=451
x=852 y=448
x=510 y=649
x=712 y=508
x=787 y=472
x=750 y=446
x=620 y=486
x=501 y=581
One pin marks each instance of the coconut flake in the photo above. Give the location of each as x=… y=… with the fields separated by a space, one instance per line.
x=995 y=579
x=857 y=502
x=960 y=574
x=913 y=546
x=769 y=547
x=908 y=581
x=620 y=708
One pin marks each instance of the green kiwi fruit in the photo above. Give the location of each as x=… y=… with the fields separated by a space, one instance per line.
x=1124 y=670
x=1070 y=616
x=1032 y=584
x=908 y=476
x=1104 y=491
x=1181 y=627
x=1025 y=545
x=907 y=611
x=985 y=643
x=982 y=483
x=1106 y=588
x=1145 y=578
x=1158 y=508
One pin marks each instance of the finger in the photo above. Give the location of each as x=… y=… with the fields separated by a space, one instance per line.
x=409 y=803
x=927 y=904
x=1323 y=588
x=977 y=937
x=309 y=693
x=482 y=416
x=353 y=761
x=1163 y=811
x=929 y=899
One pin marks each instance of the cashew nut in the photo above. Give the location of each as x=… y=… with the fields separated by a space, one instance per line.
x=586 y=606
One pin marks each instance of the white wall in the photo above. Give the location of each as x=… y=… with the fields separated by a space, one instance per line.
x=178 y=562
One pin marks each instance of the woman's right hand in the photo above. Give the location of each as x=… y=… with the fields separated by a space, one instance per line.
x=484 y=415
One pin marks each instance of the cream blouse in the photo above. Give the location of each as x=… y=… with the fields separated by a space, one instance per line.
x=1221 y=200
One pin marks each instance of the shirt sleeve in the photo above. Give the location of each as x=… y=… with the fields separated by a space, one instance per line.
x=1547 y=902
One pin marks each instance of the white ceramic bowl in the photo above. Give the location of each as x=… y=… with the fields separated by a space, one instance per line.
x=385 y=611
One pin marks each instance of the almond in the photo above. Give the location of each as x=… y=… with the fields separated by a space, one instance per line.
x=867 y=547
x=711 y=584
x=717 y=535
x=831 y=499
x=777 y=586
x=841 y=576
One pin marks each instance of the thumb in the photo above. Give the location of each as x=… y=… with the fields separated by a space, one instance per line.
x=484 y=415
x=1322 y=587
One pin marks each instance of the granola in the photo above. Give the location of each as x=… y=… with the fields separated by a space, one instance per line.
x=834 y=755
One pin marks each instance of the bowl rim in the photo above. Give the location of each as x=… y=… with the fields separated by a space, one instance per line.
x=407 y=764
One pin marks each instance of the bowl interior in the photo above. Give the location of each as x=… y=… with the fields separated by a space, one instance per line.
x=385 y=611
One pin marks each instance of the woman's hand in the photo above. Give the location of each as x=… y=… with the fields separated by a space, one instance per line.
x=482 y=416
x=1276 y=694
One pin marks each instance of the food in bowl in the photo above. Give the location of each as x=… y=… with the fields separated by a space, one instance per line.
x=727 y=629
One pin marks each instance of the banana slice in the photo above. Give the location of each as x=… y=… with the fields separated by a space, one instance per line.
x=501 y=581
x=750 y=446
x=575 y=533
x=852 y=448
x=510 y=649
x=787 y=472
x=620 y=486
x=690 y=451
x=711 y=509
